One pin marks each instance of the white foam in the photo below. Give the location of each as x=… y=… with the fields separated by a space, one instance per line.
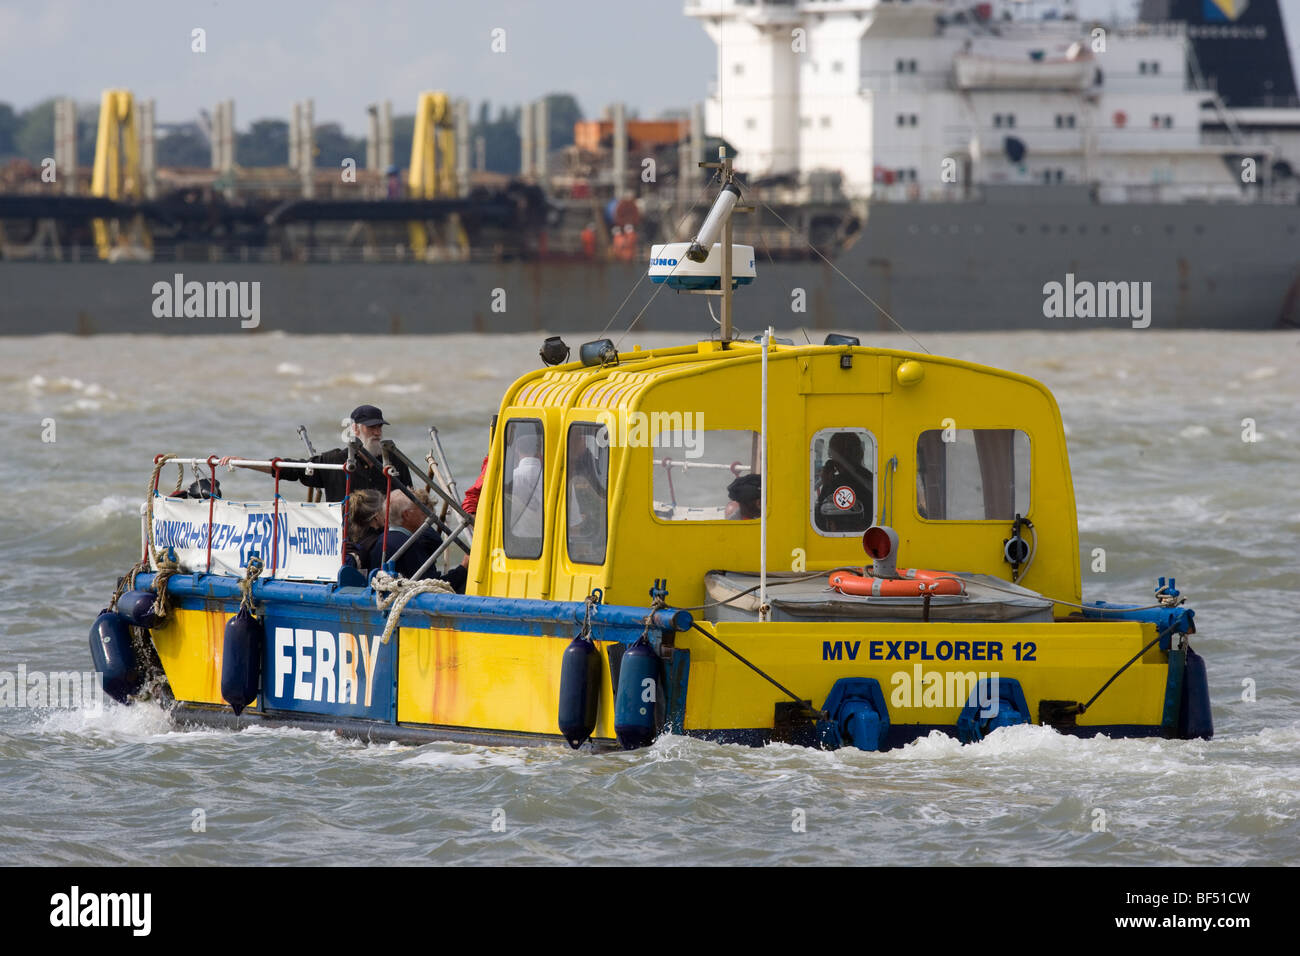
x=477 y=759
x=62 y=385
x=288 y=368
x=1259 y=374
x=112 y=506
x=111 y=722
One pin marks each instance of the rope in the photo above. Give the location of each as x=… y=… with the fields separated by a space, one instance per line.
x=657 y=603
x=880 y=308
x=1083 y=708
x=757 y=670
x=164 y=566
x=393 y=593
x=251 y=571
x=127 y=582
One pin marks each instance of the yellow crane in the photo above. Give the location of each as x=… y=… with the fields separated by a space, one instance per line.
x=433 y=165
x=117 y=175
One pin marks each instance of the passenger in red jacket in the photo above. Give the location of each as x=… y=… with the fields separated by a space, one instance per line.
x=470 y=504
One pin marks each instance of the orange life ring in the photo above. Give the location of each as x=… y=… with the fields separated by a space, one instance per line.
x=909 y=583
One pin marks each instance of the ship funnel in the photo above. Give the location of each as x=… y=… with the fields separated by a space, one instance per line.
x=713 y=223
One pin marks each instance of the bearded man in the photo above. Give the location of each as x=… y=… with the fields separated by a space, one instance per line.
x=367 y=428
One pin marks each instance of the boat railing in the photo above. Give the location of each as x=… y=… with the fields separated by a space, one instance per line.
x=457 y=531
x=186 y=543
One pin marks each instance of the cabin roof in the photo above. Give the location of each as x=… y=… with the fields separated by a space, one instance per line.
x=622 y=386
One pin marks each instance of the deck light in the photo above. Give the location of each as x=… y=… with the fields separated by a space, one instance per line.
x=598 y=352
x=554 y=351
x=835 y=338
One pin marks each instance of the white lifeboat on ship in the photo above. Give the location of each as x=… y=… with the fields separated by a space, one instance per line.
x=996 y=64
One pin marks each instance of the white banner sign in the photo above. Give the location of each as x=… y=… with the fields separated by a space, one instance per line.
x=310 y=536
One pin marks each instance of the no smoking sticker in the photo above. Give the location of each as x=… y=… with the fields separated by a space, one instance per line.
x=844 y=498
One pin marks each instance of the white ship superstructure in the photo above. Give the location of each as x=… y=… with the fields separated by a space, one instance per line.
x=929 y=100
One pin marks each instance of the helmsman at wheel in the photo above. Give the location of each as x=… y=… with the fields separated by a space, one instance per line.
x=367 y=428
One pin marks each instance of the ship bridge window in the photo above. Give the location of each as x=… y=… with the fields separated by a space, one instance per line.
x=842 y=490
x=523 y=489
x=706 y=475
x=966 y=474
x=587 y=482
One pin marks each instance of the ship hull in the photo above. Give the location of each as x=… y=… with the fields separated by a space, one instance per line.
x=488 y=670
x=927 y=266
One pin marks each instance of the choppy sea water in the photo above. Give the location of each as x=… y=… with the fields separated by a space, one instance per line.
x=1165 y=484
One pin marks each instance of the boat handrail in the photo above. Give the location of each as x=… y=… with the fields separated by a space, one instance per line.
x=265 y=463
x=686 y=464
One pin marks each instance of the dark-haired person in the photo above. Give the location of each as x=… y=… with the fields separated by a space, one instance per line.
x=201 y=489
x=746 y=494
x=844 y=487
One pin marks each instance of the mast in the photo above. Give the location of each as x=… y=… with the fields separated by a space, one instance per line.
x=719 y=221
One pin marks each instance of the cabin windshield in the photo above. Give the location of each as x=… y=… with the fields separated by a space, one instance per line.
x=587 y=481
x=693 y=472
x=523 y=489
x=979 y=474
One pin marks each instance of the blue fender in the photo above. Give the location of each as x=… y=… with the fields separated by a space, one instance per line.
x=579 y=690
x=241 y=660
x=138 y=608
x=638 y=702
x=114 y=657
x=1194 y=717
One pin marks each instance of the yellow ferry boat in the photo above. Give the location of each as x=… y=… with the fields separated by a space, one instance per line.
x=744 y=541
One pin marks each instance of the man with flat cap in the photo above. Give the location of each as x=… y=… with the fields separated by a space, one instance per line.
x=367 y=428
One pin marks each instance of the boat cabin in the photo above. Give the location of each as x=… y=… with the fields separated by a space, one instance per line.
x=611 y=474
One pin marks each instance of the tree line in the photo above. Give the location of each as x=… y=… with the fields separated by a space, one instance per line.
x=29 y=134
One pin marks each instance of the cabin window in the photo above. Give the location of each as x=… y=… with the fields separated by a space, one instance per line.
x=587 y=482
x=523 y=489
x=706 y=475
x=843 y=481
x=979 y=474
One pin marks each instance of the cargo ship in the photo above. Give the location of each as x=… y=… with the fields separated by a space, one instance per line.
x=955 y=161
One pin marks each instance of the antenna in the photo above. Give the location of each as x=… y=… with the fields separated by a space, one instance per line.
x=719 y=218
x=705 y=266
